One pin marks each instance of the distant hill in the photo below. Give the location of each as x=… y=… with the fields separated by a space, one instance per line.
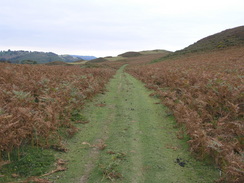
x=159 y=51
x=69 y=58
x=38 y=57
x=146 y=52
x=130 y=54
x=98 y=60
x=224 y=39
x=133 y=56
x=85 y=57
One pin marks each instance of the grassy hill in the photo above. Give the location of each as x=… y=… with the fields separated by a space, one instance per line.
x=225 y=39
x=146 y=52
x=97 y=60
x=130 y=54
x=140 y=53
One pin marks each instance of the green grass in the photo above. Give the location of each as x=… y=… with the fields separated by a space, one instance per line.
x=26 y=162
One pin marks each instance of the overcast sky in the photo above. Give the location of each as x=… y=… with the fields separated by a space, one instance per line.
x=111 y=27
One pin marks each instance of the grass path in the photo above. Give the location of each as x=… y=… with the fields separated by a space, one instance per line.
x=132 y=139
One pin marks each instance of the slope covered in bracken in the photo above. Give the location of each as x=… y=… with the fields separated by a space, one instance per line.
x=38 y=102
x=205 y=93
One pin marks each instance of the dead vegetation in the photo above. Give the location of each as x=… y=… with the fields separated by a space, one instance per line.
x=205 y=94
x=37 y=101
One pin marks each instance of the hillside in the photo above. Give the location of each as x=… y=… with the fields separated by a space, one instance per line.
x=97 y=60
x=39 y=57
x=130 y=54
x=158 y=51
x=225 y=39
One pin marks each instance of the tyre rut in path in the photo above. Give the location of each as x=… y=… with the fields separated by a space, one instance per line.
x=140 y=139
